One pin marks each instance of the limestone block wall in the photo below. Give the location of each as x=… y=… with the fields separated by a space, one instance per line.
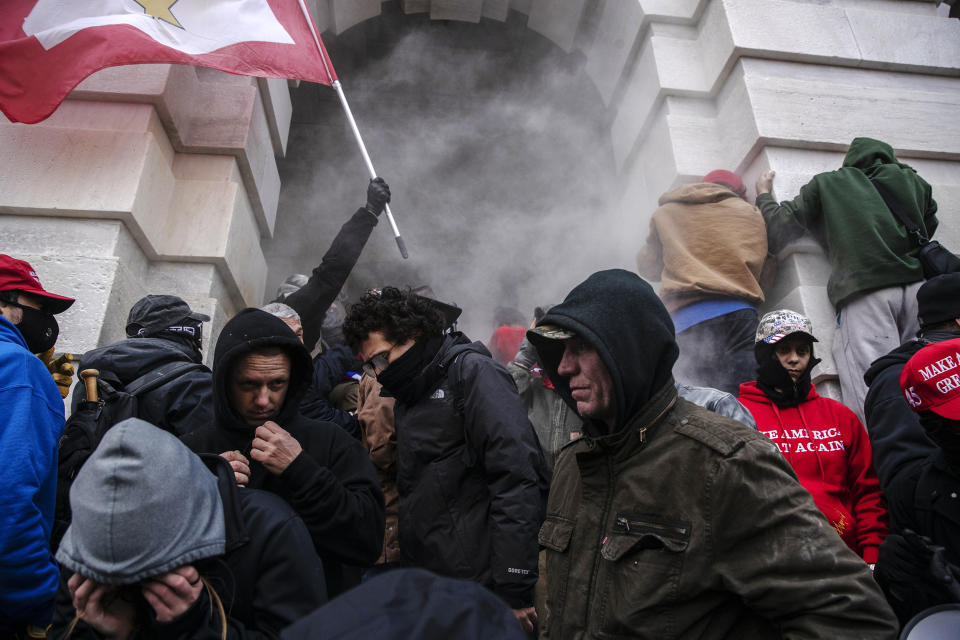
x=154 y=178
x=163 y=178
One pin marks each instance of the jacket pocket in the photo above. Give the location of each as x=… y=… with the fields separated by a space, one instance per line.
x=640 y=573
x=555 y=535
x=466 y=501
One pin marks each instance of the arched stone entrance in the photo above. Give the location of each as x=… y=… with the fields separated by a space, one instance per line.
x=496 y=145
x=163 y=179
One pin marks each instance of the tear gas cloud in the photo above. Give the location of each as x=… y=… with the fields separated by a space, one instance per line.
x=497 y=150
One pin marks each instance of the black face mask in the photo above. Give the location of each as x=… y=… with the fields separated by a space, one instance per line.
x=38 y=328
x=942 y=433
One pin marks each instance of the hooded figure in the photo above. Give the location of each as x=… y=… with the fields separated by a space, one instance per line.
x=162 y=331
x=330 y=482
x=919 y=564
x=146 y=510
x=899 y=441
x=708 y=248
x=821 y=438
x=667 y=520
x=875 y=270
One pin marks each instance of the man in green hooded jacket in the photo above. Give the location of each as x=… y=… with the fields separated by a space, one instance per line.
x=875 y=269
x=666 y=521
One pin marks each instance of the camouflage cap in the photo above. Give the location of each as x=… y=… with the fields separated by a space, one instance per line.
x=553 y=332
x=777 y=325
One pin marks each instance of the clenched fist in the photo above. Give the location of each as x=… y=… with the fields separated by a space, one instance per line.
x=274 y=448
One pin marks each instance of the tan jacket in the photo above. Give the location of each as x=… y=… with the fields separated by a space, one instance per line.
x=686 y=524
x=379 y=438
x=704 y=243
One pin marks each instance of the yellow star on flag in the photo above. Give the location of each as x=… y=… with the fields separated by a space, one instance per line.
x=160 y=9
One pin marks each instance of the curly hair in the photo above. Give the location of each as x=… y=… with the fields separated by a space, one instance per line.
x=399 y=314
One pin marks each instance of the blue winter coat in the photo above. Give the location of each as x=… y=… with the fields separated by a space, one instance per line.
x=31 y=423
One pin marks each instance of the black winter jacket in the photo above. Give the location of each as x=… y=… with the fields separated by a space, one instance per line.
x=313 y=299
x=183 y=404
x=411 y=604
x=471 y=477
x=899 y=442
x=268 y=578
x=329 y=370
x=922 y=499
x=331 y=485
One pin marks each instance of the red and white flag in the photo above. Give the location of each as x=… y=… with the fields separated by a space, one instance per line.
x=48 y=46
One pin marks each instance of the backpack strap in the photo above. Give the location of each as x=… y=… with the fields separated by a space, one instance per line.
x=911 y=226
x=160 y=376
x=455 y=376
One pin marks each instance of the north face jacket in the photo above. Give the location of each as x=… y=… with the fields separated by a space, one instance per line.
x=867 y=246
x=470 y=475
x=676 y=522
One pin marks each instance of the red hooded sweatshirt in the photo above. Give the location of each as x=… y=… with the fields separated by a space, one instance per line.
x=828 y=448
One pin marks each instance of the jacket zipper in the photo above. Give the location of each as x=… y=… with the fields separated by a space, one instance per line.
x=626 y=525
x=607 y=503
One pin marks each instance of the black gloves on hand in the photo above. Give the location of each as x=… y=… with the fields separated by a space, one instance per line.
x=378 y=195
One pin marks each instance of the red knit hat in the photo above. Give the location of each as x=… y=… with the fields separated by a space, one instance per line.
x=19 y=275
x=931 y=379
x=728 y=178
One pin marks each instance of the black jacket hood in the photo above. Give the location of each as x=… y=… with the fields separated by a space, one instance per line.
x=620 y=316
x=250 y=330
x=131 y=358
x=898 y=356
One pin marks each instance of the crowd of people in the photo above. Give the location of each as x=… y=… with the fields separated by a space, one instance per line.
x=628 y=462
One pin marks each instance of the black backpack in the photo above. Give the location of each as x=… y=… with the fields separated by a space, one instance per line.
x=91 y=420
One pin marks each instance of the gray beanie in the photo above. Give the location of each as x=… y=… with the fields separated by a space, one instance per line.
x=143 y=504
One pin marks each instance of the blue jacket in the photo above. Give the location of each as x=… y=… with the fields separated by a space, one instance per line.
x=33 y=419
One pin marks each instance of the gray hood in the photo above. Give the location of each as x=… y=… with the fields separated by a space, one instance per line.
x=143 y=504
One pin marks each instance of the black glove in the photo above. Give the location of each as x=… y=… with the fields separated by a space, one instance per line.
x=913 y=574
x=378 y=195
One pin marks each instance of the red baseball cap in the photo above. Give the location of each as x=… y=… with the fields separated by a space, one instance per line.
x=728 y=178
x=19 y=275
x=931 y=379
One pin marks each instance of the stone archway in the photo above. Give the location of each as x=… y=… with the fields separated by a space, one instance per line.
x=158 y=178
x=496 y=145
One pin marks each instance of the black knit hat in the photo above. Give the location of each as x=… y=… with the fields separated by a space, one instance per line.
x=938 y=299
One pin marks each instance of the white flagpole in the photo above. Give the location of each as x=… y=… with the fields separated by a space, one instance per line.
x=353 y=125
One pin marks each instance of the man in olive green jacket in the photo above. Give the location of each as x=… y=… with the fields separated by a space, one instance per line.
x=666 y=520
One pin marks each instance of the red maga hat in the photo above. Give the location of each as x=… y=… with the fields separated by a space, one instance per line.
x=931 y=379
x=19 y=275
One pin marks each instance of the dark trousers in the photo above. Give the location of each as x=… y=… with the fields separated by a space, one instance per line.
x=718 y=352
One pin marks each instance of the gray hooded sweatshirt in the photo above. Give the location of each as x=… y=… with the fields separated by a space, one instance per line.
x=143 y=504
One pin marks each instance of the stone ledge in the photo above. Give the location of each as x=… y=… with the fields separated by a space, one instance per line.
x=206 y=111
x=63 y=169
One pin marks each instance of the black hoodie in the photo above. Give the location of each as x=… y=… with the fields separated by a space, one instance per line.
x=899 y=441
x=618 y=314
x=331 y=485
